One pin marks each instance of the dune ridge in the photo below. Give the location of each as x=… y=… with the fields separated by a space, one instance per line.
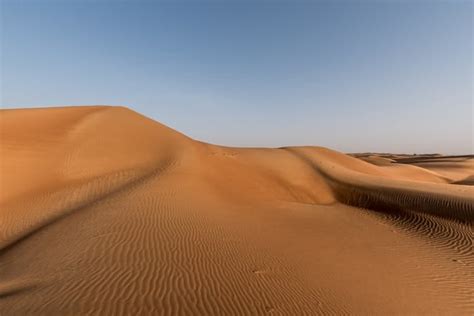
x=363 y=190
x=124 y=215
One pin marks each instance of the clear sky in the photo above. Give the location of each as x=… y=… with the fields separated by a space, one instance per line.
x=385 y=76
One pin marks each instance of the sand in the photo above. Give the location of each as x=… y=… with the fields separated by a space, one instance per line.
x=106 y=212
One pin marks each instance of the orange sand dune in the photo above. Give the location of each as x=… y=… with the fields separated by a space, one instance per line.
x=106 y=212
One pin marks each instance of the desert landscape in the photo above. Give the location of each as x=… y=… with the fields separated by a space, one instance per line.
x=104 y=211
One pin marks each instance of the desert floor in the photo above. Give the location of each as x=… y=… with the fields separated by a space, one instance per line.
x=104 y=211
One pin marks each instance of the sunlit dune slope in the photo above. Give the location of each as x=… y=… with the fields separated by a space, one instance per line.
x=104 y=211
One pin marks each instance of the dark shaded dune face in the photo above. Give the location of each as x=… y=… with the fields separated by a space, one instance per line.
x=106 y=212
x=466 y=181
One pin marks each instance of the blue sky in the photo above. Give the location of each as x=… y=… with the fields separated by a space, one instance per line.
x=386 y=76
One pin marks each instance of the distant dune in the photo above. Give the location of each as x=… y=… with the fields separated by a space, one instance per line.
x=106 y=212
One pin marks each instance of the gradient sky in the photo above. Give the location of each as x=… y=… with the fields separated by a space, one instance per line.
x=385 y=76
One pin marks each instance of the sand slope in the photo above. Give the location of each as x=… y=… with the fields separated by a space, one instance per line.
x=106 y=212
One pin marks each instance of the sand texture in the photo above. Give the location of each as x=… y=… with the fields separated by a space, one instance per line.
x=106 y=212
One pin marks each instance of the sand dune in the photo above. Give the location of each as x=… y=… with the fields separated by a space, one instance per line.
x=106 y=212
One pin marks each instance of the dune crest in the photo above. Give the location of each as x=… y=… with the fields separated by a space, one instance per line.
x=105 y=211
